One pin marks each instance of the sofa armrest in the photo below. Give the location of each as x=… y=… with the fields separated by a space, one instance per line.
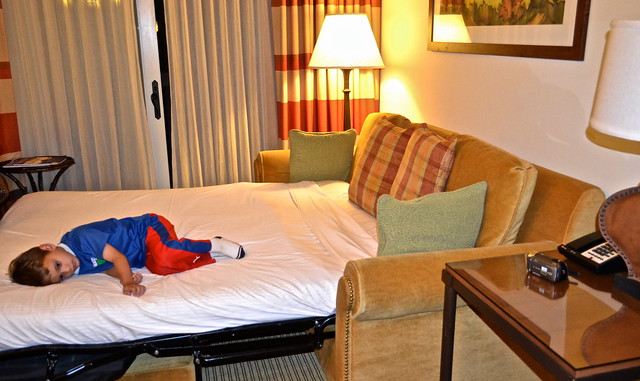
x=272 y=166
x=401 y=285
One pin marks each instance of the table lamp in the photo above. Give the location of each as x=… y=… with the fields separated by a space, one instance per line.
x=346 y=42
x=616 y=112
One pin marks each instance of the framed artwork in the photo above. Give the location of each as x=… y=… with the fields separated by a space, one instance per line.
x=555 y=29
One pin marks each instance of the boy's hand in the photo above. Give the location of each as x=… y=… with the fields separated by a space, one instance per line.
x=133 y=289
x=137 y=278
x=129 y=280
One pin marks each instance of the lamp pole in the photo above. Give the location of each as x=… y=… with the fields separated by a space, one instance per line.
x=347 y=105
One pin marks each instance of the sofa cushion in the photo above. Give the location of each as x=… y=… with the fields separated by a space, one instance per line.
x=562 y=208
x=375 y=167
x=425 y=166
x=321 y=155
x=437 y=221
x=510 y=181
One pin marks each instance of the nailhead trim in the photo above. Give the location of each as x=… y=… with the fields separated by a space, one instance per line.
x=347 y=328
x=605 y=233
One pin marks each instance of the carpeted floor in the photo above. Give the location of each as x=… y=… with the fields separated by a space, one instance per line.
x=303 y=367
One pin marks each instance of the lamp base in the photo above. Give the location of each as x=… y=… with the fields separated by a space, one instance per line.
x=629 y=286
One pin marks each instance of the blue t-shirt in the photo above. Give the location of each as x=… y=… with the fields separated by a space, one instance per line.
x=127 y=235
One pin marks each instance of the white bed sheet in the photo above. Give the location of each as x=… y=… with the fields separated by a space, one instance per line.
x=298 y=238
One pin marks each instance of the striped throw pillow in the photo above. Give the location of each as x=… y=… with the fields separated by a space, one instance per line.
x=425 y=166
x=376 y=167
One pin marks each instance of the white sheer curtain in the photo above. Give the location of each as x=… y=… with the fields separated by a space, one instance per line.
x=222 y=88
x=78 y=89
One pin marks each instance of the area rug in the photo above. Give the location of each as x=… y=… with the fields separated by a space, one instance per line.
x=302 y=367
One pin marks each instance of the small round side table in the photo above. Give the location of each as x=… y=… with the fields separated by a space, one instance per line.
x=60 y=164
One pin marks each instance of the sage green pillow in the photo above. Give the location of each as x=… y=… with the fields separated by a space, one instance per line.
x=321 y=155
x=437 y=221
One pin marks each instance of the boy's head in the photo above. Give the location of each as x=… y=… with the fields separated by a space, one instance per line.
x=43 y=265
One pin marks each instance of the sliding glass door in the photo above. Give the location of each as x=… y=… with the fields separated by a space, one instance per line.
x=88 y=85
x=153 y=89
x=80 y=90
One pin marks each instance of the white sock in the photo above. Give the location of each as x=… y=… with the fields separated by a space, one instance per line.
x=227 y=248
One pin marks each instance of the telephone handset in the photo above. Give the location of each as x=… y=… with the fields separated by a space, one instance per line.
x=593 y=252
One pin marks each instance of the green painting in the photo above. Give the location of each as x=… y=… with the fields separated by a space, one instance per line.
x=506 y=12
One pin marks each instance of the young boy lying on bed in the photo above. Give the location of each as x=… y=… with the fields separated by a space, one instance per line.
x=115 y=246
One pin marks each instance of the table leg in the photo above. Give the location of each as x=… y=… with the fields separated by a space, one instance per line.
x=40 y=186
x=448 y=331
x=17 y=182
x=34 y=187
x=52 y=187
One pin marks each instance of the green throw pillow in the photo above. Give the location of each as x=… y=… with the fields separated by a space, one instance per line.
x=321 y=155
x=437 y=221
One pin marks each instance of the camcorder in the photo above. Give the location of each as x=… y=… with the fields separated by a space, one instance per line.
x=546 y=267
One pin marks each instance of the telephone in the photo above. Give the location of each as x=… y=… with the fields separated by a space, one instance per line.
x=593 y=252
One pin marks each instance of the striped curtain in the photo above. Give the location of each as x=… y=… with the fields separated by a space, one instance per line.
x=312 y=100
x=9 y=138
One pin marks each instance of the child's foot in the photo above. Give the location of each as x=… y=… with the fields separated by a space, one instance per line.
x=227 y=248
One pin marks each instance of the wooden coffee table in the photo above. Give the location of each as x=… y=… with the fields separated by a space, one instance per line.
x=579 y=328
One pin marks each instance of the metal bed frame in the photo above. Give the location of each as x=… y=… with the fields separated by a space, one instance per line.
x=219 y=347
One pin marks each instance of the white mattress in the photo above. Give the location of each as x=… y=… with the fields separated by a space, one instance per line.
x=298 y=238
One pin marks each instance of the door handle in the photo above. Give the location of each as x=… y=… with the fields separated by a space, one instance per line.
x=155 y=99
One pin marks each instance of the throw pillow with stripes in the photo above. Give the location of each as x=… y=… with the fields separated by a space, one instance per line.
x=425 y=166
x=375 y=169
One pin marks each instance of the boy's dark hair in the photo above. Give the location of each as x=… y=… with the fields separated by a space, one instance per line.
x=28 y=268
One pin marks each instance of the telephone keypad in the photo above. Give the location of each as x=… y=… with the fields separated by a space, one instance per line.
x=600 y=253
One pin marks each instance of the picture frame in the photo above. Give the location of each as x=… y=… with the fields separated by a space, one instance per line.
x=545 y=38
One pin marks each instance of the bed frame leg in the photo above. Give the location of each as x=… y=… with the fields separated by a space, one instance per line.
x=197 y=365
x=52 y=360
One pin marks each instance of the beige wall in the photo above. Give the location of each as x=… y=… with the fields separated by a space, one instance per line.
x=535 y=108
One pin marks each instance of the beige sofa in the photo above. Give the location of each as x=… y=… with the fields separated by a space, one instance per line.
x=389 y=309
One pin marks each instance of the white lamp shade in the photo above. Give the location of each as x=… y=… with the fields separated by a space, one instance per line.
x=616 y=108
x=346 y=41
